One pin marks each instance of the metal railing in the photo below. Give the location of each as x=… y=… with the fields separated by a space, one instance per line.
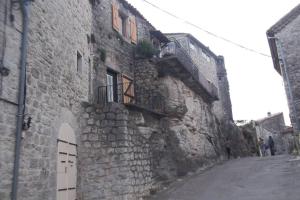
x=174 y=48
x=132 y=95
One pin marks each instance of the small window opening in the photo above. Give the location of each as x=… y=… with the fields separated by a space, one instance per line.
x=112 y=87
x=79 y=62
x=123 y=24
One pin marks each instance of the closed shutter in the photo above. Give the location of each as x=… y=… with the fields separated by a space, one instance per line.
x=128 y=90
x=133 y=30
x=115 y=17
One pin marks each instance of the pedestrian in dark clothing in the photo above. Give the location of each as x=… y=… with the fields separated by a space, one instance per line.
x=271 y=145
x=228 y=149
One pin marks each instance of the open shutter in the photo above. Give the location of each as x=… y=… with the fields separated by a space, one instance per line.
x=133 y=30
x=115 y=17
x=128 y=90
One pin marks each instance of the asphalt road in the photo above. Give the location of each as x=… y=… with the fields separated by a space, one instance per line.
x=270 y=178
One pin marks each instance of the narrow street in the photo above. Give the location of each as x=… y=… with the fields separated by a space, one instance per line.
x=270 y=178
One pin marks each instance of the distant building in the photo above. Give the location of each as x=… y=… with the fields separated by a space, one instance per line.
x=284 y=41
x=273 y=125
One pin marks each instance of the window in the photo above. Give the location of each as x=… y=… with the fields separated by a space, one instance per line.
x=79 y=62
x=111 y=86
x=124 y=24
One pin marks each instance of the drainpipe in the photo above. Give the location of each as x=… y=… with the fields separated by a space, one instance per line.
x=24 y=4
x=283 y=68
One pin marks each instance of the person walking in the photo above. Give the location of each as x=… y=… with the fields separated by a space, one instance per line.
x=262 y=147
x=271 y=145
x=228 y=149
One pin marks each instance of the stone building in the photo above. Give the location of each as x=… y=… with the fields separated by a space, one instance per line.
x=101 y=119
x=283 y=38
x=273 y=125
x=211 y=68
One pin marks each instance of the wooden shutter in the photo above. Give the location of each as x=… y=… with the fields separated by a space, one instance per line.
x=115 y=17
x=133 y=30
x=128 y=90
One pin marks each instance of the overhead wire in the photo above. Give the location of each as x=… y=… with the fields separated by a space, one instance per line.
x=206 y=31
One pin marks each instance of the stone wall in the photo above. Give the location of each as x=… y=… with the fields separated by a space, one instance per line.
x=192 y=132
x=289 y=39
x=223 y=85
x=10 y=40
x=55 y=89
x=192 y=127
x=115 y=157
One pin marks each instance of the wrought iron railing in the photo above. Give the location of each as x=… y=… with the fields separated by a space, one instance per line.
x=174 y=48
x=132 y=95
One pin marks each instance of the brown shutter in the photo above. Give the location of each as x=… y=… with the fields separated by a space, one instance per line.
x=133 y=30
x=115 y=17
x=128 y=90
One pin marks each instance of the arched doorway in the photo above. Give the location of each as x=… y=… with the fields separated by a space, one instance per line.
x=66 y=163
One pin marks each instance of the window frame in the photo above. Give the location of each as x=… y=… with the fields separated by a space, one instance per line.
x=112 y=90
x=124 y=27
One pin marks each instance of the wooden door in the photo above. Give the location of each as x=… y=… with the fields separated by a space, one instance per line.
x=66 y=164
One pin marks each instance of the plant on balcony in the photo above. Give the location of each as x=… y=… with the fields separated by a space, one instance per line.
x=145 y=49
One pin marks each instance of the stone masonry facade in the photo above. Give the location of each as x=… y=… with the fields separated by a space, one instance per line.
x=127 y=147
x=10 y=42
x=284 y=44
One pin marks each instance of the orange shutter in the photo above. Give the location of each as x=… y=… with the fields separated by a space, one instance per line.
x=133 y=30
x=115 y=17
x=128 y=90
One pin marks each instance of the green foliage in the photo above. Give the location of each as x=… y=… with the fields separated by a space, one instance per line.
x=146 y=49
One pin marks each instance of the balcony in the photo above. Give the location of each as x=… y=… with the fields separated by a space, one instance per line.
x=132 y=96
x=175 y=61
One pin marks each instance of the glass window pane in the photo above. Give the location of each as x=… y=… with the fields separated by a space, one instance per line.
x=110 y=88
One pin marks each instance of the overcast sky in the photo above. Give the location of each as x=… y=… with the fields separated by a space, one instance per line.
x=255 y=87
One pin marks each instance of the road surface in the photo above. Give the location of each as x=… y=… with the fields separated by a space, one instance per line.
x=269 y=178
